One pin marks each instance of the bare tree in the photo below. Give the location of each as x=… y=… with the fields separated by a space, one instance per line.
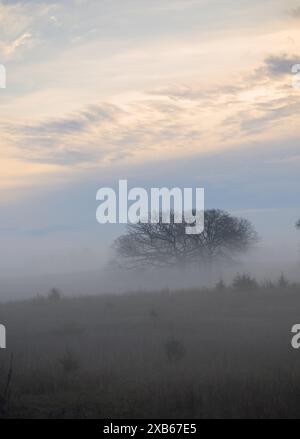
x=157 y=245
x=224 y=236
x=298 y=224
x=167 y=245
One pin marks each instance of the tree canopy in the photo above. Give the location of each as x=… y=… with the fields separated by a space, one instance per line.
x=166 y=245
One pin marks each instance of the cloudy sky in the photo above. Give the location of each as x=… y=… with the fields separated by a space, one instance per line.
x=176 y=92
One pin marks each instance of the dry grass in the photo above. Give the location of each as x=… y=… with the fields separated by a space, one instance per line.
x=224 y=353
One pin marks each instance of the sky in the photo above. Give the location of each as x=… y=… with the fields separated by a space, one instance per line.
x=161 y=92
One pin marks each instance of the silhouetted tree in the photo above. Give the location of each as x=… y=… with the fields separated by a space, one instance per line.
x=224 y=236
x=298 y=224
x=163 y=245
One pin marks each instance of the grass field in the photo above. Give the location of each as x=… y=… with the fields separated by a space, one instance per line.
x=223 y=353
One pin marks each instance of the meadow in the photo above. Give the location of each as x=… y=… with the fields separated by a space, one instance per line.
x=197 y=353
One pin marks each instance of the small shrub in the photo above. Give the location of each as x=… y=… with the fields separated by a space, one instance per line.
x=54 y=294
x=282 y=282
x=220 y=285
x=69 y=361
x=174 y=349
x=244 y=282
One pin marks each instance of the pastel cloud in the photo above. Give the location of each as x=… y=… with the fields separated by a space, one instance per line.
x=99 y=88
x=178 y=120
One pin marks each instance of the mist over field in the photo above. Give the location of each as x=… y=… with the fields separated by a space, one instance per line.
x=87 y=270
x=192 y=354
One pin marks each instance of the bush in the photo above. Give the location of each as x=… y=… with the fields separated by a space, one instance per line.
x=69 y=361
x=220 y=285
x=174 y=349
x=282 y=281
x=244 y=282
x=54 y=294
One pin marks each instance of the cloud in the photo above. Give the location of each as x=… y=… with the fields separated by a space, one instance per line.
x=75 y=124
x=175 y=120
x=19 y=28
x=63 y=141
x=108 y=55
x=295 y=12
x=268 y=118
x=10 y=48
x=280 y=65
